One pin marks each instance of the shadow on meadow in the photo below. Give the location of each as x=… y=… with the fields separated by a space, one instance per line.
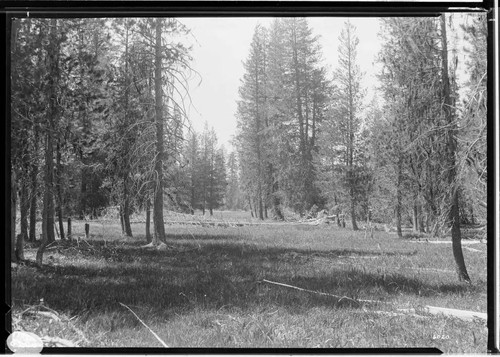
x=211 y=275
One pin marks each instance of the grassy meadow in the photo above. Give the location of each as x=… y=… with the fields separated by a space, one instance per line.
x=210 y=287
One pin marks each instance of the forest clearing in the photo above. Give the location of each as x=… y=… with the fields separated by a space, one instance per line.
x=209 y=287
x=307 y=182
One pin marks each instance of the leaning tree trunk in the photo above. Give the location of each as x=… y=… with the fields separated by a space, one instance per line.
x=353 y=214
x=454 y=214
x=159 y=155
x=148 y=221
x=127 y=229
x=23 y=208
x=33 y=195
x=13 y=211
x=59 y=191
x=48 y=198
x=399 y=197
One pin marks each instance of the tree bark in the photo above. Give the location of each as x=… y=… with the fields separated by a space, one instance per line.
x=148 y=221
x=122 y=224
x=159 y=155
x=48 y=196
x=69 y=227
x=127 y=229
x=415 y=217
x=33 y=196
x=276 y=204
x=13 y=213
x=23 y=208
x=250 y=205
x=353 y=212
x=83 y=193
x=399 y=196
x=59 y=191
x=454 y=214
x=261 y=207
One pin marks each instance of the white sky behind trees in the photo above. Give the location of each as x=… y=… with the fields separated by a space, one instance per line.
x=221 y=45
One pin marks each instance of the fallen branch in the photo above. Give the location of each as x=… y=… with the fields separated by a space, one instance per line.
x=464 y=242
x=358 y=301
x=142 y=322
x=461 y=314
x=473 y=250
x=390 y=313
x=47 y=314
x=58 y=342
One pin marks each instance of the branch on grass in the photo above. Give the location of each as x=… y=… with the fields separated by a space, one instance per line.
x=58 y=342
x=47 y=314
x=142 y=322
x=395 y=314
x=461 y=314
x=358 y=301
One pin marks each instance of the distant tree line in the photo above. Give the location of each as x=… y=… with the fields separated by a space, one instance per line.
x=414 y=155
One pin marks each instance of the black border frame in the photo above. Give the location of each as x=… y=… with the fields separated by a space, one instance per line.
x=10 y=9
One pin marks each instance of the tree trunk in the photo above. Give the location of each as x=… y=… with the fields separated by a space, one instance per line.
x=278 y=214
x=148 y=221
x=48 y=198
x=261 y=208
x=353 y=211
x=122 y=224
x=398 y=220
x=59 y=192
x=33 y=198
x=24 y=208
x=415 y=217
x=127 y=229
x=13 y=213
x=399 y=196
x=159 y=155
x=69 y=227
x=250 y=204
x=454 y=214
x=83 y=193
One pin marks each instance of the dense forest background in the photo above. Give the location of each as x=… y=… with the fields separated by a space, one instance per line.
x=99 y=123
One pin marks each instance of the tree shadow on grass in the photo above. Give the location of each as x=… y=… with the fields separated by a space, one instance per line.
x=209 y=276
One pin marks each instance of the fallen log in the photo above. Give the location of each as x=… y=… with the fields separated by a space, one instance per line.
x=461 y=314
x=464 y=242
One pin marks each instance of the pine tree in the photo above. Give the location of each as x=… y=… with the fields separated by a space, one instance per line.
x=346 y=119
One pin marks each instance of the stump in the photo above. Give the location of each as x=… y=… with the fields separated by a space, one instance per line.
x=87 y=230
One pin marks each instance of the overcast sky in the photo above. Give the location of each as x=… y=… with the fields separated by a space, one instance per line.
x=222 y=44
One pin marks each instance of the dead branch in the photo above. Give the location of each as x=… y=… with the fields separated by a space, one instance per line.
x=142 y=322
x=461 y=314
x=58 y=342
x=320 y=293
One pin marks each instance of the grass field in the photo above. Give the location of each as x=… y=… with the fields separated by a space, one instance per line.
x=209 y=289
